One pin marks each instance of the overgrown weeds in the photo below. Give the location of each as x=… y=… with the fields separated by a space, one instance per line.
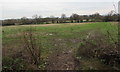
x=32 y=46
x=28 y=55
x=101 y=46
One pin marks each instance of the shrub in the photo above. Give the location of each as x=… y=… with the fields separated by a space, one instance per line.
x=33 y=49
x=101 y=47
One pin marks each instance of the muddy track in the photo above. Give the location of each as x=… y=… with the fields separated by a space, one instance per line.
x=62 y=58
x=61 y=61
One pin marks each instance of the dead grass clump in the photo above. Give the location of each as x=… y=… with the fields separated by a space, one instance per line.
x=100 y=46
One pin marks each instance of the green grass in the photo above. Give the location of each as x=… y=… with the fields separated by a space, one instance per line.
x=49 y=35
x=63 y=31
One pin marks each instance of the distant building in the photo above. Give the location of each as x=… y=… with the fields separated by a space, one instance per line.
x=119 y=7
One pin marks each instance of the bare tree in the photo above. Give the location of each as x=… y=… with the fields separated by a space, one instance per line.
x=96 y=17
x=75 y=17
x=63 y=17
x=52 y=19
x=39 y=19
x=35 y=17
x=24 y=20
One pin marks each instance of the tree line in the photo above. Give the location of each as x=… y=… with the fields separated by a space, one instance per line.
x=74 y=18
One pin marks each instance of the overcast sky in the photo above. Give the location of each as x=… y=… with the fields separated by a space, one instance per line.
x=59 y=0
x=20 y=8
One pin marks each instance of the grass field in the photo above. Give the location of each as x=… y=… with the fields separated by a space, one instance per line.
x=61 y=44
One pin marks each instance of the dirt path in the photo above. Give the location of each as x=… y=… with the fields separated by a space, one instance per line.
x=62 y=58
x=50 y=24
x=61 y=61
x=58 y=24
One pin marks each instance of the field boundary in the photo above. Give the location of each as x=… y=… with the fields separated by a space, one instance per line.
x=44 y=25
